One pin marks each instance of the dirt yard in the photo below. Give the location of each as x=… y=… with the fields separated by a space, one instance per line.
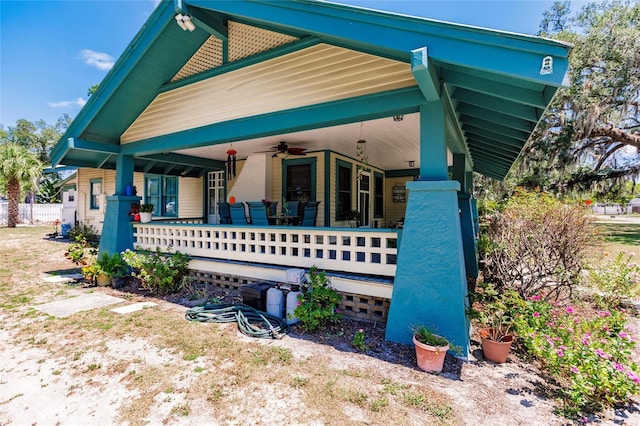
x=153 y=367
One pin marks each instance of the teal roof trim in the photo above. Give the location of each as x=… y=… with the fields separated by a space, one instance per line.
x=395 y=36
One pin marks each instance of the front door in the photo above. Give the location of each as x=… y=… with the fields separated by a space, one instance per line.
x=215 y=189
x=364 y=198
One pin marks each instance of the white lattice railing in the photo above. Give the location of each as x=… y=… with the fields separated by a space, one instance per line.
x=355 y=250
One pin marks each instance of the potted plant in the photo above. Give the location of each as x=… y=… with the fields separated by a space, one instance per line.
x=146 y=211
x=496 y=336
x=496 y=332
x=114 y=267
x=430 y=349
x=94 y=274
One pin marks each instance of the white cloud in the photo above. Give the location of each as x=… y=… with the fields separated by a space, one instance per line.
x=102 y=61
x=63 y=104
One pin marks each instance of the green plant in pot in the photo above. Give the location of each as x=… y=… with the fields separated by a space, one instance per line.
x=431 y=349
x=146 y=211
x=496 y=332
x=115 y=267
x=94 y=274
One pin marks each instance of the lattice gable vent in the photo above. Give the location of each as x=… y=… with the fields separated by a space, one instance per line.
x=207 y=57
x=245 y=40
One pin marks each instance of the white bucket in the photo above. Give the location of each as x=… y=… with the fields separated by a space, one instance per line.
x=292 y=302
x=275 y=302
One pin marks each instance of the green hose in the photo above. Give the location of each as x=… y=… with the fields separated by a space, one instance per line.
x=251 y=322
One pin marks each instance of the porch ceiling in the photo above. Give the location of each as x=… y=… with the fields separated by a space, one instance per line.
x=490 y=82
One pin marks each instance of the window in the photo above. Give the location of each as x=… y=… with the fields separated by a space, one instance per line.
x=95 y=193
x=299 y=180
x=162 y=192
x=378 y=195
x=343 y=188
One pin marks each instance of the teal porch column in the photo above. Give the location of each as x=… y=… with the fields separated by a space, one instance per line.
x=430 y=285
x=117 y=231
x=466 y=216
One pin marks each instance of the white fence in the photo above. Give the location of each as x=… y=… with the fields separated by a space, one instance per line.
x=358 y=250
x=33 y=213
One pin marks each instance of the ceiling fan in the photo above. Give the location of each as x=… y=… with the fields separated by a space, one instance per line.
x=283 y=148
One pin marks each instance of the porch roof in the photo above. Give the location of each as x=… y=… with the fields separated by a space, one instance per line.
x=494 y=84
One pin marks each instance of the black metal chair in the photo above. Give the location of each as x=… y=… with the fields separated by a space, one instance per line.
x=273 y=208
x=223 y=211
x=258 y=213
x=310 y=213
x=238 y=216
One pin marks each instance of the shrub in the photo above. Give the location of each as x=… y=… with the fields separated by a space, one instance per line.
x=85 y=232
x=317 y=302
x=158 y=272
x=589 y=356
x=537 y=245
x=617 y=279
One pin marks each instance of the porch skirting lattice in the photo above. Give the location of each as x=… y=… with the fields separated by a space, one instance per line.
x=358 y=306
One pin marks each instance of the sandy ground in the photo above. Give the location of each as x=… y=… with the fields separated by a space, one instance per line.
x=38 y=388
x=43 y=387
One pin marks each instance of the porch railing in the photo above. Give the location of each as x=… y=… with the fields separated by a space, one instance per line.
x=355 y=250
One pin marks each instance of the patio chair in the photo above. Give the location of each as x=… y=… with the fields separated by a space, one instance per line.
x=273 y=208
x=295 y=211
x=237 y=214
x=310 y=213
x=258 y=213
x=223 y=211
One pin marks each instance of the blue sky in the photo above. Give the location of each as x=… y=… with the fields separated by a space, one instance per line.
x=52 y=51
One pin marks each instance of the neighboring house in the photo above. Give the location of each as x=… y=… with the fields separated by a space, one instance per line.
x=361 y=110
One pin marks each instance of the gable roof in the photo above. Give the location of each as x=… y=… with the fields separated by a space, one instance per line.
x=491 y=81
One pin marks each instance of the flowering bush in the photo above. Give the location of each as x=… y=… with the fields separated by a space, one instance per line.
x=616 y=280
x=317 y=302
x=589 y=356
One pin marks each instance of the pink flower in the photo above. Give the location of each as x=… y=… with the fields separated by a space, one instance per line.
x=574 y=370
x=360 y=330
x=602 y=354
x=623 y=335
x=559 y=353
x=569 y=310
x=618 y=366
x=604 y=314
x=632 y=376
x=536 y=298
x=299 y=304
x=536 y=314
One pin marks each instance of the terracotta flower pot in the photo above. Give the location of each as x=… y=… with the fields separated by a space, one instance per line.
x=493 y=350
x=430 y=358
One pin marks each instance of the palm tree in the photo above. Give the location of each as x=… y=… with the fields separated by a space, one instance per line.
x=18 y=166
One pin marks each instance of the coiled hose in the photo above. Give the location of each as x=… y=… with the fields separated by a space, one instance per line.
x=251 y=322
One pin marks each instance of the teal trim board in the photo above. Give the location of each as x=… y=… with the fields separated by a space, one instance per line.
x=431 y=265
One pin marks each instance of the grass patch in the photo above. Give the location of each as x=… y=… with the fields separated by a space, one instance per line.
x=618 y=237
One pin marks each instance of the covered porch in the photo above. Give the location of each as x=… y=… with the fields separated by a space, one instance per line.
x=368 y=104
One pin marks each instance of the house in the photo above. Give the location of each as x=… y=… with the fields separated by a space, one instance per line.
x=385 y=114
